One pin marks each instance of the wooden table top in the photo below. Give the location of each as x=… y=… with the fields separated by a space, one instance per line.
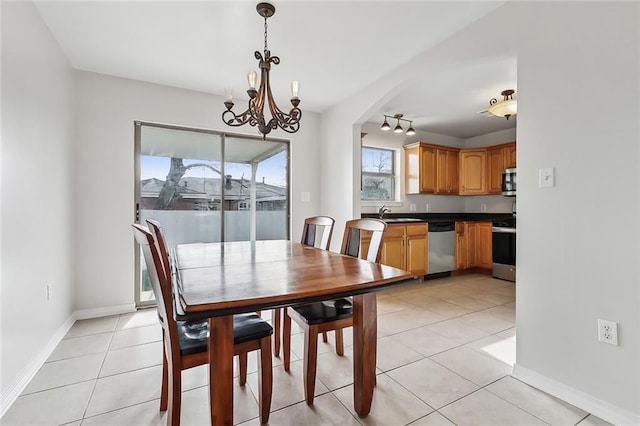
x=216 y=279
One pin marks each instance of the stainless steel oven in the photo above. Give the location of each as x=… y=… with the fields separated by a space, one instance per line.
x=504 y=249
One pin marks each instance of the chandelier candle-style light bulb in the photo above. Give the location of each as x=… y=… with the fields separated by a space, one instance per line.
x=252 y=77
x=254 y=115
x=228 y=94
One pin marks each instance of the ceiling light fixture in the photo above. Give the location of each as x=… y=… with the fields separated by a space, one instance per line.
x=505 y=108
x=398 y=129
x=254 y=115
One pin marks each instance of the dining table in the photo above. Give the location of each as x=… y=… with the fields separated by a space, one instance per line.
x=217 y=280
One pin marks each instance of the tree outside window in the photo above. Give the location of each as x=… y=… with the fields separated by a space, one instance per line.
x=378 y=174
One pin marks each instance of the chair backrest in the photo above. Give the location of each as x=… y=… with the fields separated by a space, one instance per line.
x=161 y=246
x=160 y=283
x=351 y=241
x=321 y=226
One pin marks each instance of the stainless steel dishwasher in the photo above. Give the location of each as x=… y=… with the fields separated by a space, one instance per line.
x=441 y=248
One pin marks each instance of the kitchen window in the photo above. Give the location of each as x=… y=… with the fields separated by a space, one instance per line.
x=378 y=174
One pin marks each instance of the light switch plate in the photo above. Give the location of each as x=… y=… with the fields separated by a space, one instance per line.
x=305 y=197
x=547 y=178
x=412 y=207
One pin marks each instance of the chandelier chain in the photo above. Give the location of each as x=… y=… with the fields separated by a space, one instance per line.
x=265 y=36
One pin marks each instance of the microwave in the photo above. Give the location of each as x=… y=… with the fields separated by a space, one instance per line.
x=509 y=182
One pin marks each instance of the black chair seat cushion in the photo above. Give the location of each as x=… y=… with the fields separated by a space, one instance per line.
x=328 y=310
x=194 y=335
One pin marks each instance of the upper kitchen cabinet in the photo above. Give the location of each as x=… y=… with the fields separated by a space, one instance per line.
x=446 y=171
x=473 y=171
x=499 y=157
x=430 y=169
x=420 y=168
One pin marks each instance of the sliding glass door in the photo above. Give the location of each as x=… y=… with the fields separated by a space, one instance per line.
x=205 y=186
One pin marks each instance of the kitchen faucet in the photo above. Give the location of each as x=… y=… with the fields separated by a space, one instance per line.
x=384 y=209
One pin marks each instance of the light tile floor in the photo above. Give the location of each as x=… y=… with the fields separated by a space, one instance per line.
x=446 y=349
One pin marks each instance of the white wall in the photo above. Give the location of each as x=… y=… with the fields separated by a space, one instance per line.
x=571 y=270
x=578 y=243
x=495 y=138
x=106 y=110
x=36 y=195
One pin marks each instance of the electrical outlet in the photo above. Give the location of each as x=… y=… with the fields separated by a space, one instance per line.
x=483 y=207
x=608 y=332
x=428 y=208
x=412 y=207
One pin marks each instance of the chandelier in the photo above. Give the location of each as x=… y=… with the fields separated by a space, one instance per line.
x=254 y=115
x=505 y=108
x=398 y=129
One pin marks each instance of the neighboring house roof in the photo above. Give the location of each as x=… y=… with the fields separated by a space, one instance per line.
x=207 y=188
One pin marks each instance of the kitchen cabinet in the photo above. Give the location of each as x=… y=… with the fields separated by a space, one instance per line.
x=473 y=245
x=420 y=168
x=499 y=157
x=430 y=169
x=446 y=171
x=404 y=247
x=510 y=155
x=473 y=171
x=484 y=254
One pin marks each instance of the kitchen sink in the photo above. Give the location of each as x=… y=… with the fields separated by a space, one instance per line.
x=402 y=220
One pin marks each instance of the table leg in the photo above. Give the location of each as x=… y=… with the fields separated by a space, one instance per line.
x=221 y=370
x=364 y=351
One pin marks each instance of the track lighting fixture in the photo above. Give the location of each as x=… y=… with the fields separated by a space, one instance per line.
x=398 y=129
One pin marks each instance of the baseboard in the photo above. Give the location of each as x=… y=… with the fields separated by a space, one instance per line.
x=104 y=312
x=15 y=389
x=597 y=407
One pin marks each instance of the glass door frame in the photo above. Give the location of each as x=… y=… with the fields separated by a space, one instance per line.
x=137 y=193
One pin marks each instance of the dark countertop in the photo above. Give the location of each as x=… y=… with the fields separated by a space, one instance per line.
x=445 y=217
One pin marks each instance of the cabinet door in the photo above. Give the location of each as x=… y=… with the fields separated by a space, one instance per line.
x=416 y=249
x=412 y=170
x=495 y=167
x=460 y=247
x=442 y=181
x=485 y=252
x=510 y=156
x=427 y=170
x=473 y=172
x=452 y=172
x=447 y=171
x=471 y=238
x=393 y=251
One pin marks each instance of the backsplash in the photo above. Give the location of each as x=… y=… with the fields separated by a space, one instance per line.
x=449 y=204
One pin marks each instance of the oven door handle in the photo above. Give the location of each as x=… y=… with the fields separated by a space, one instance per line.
x=502 y=230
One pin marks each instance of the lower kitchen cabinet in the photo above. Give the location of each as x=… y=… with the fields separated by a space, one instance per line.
x=404 y=247
x=473 y=245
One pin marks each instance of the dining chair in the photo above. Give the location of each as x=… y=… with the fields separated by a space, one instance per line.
x=337 y=314
x=317 y=233
x=185 y=343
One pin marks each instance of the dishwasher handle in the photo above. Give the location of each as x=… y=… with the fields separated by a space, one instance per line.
x=442 y=227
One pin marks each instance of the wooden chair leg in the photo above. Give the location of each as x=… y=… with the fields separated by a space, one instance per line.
x=286 y=340
x=276 y=314
x=164 y=392
x=339 y=342
x=310 y=362
x=175 y=394
x=242 y=364
x=325 y=339
x=265 y=379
